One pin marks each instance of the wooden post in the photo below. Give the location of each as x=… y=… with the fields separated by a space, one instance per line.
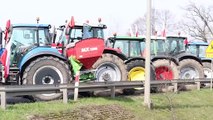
x=76 y=85
x=3 y=100
x=198 y=85
x=113 y=91
x=65 y=94
x=175 y=86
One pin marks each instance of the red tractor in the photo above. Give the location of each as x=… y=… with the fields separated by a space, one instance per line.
x=86 y=43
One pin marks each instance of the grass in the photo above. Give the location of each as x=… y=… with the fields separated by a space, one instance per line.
x=193 y=105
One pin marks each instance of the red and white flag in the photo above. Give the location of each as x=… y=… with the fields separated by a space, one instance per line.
x=163 y=34
x=5 y=57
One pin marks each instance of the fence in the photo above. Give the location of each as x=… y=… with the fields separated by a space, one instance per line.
x=65 y=88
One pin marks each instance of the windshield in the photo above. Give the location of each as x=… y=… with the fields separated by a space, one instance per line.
x=28 y=36
x=194 y=50
x=175 y=44
x=22 y=39
x=123 y=45
x=129 y=48
x=157 y=46
x=92 y=32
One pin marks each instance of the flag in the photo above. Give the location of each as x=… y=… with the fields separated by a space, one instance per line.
x=76 y=64
x=72 y=22
x=163 y=34
x=5 y=59
x=136 y=31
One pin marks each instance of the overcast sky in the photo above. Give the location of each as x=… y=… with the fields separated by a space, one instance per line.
x=114 y=13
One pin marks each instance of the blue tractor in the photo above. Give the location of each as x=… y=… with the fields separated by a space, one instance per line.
x=28 y=58
x=198 y=48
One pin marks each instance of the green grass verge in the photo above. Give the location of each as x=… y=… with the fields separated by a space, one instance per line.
x=196 y=105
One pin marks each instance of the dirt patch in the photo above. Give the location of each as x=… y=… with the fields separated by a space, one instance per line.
x=91 y=112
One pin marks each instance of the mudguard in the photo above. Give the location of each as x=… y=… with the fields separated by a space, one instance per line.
x=206 y=59
x=134 y=58
x=115 y=52
x=174 y=59
x=184 y=55
x=37 y=52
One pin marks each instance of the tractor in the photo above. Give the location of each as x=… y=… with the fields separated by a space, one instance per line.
x=86 y=37
x=28 y=58
x=190 y=66
x=198 y=48
x=132 y=48
x=31 y=57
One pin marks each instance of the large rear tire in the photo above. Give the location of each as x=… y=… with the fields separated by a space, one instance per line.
x=190 y=69
x=166 y=70
x=110 y=68
x=47 y=70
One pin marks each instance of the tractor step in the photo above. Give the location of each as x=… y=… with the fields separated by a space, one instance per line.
x=87 y=71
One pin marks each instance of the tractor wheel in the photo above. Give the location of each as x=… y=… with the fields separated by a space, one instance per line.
x=190 y=68
x=110 y=68
x=136 y=72
x=207 y=69
x=47 y=70
x=165 y=70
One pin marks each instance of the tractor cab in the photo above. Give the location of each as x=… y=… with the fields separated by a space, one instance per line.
x=197 y=48
x=25 y=37
x=129 y=46
x=85 y=42
x=176 y=44
x=72 y=33
x=158 y=46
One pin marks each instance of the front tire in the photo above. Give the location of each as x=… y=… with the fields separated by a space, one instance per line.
x=110 y=68
x=136 y=72
x=190 y=69
x=47 y=70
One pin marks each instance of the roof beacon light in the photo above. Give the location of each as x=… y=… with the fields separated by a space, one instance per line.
x=115 y=34
x=99 y=20
x=37 y=19
x=179 y=34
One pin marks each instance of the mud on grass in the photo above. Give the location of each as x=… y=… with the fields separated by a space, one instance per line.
x=90 y=112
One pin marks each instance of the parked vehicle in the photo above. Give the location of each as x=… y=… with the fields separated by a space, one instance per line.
x=198 y=48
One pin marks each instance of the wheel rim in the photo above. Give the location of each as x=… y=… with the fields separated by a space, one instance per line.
x=137 y=74
x=164 y=73
x=189 y=73
x=207 y=72
x=108 y=72
x=47 y=75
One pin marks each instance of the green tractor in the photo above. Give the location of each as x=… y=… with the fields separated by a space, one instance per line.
x=133 y=48
x=189 y=65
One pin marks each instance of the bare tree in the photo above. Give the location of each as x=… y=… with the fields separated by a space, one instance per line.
x=199 y=21
x=161 y=19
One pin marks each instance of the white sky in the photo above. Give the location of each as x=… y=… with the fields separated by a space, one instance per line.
x=116 y=14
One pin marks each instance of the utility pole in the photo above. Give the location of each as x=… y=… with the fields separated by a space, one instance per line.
x=147 y=100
